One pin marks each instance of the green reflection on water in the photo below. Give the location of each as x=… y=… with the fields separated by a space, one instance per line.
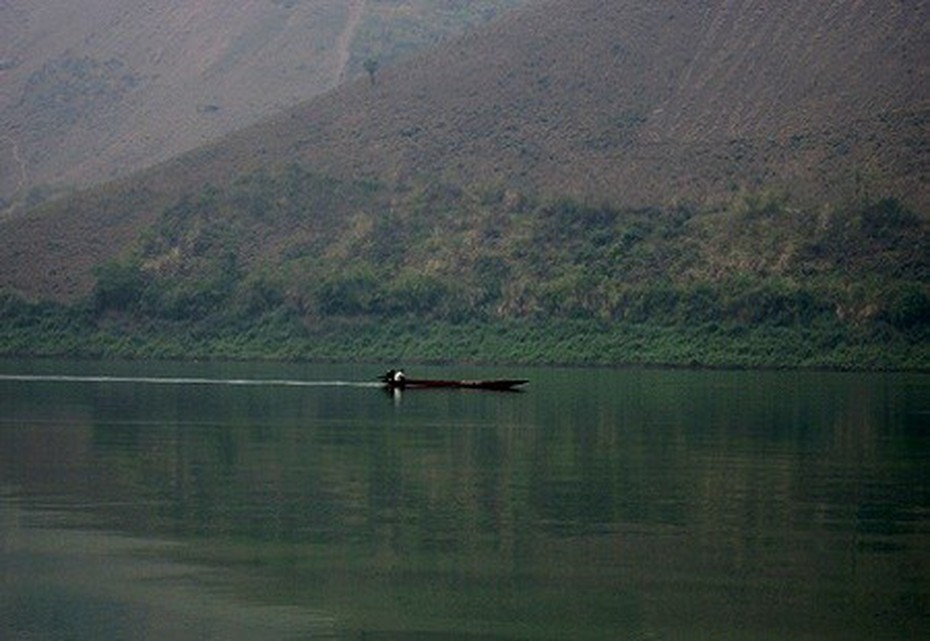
x=599 y=504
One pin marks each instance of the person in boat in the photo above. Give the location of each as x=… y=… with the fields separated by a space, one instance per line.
x=395 y=378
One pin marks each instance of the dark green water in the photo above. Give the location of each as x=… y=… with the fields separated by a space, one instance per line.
x=599 y=504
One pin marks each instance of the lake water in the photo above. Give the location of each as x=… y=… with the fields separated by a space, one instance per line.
x=193 y=501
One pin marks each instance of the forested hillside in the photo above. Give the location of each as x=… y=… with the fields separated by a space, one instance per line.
x=611 y=182
x=296 y=265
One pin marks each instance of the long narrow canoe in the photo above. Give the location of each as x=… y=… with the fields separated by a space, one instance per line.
x=396 y=380
x=499 y=385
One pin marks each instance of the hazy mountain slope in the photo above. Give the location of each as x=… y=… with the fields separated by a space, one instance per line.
x=622 y=101
x=644 y=101
x=94 y=89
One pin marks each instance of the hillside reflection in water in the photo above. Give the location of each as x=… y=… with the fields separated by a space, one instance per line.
x=598 y=504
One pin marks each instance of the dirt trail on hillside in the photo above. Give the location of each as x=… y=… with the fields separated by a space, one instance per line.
x=19 y=167
x=344 y=43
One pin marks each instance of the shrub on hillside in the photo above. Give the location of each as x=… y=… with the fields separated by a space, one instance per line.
x=120 y=286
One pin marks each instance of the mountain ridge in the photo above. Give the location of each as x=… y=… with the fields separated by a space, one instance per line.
x=612 y=102
x=619 y=117
x=91 y=92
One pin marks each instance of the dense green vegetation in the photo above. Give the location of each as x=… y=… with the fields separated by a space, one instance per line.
x=292 y=265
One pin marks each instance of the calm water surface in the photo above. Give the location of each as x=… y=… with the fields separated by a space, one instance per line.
x=160 y=501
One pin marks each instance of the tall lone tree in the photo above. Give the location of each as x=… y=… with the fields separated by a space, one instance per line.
x=371 y=66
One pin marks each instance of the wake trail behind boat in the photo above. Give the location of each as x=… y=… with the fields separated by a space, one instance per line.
x=154 y=380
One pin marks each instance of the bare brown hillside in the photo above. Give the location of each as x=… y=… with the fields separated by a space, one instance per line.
x=636 y=103
x=644 y=102
x=95 y=89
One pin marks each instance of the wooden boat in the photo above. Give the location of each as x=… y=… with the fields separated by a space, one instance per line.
x=396 y=380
